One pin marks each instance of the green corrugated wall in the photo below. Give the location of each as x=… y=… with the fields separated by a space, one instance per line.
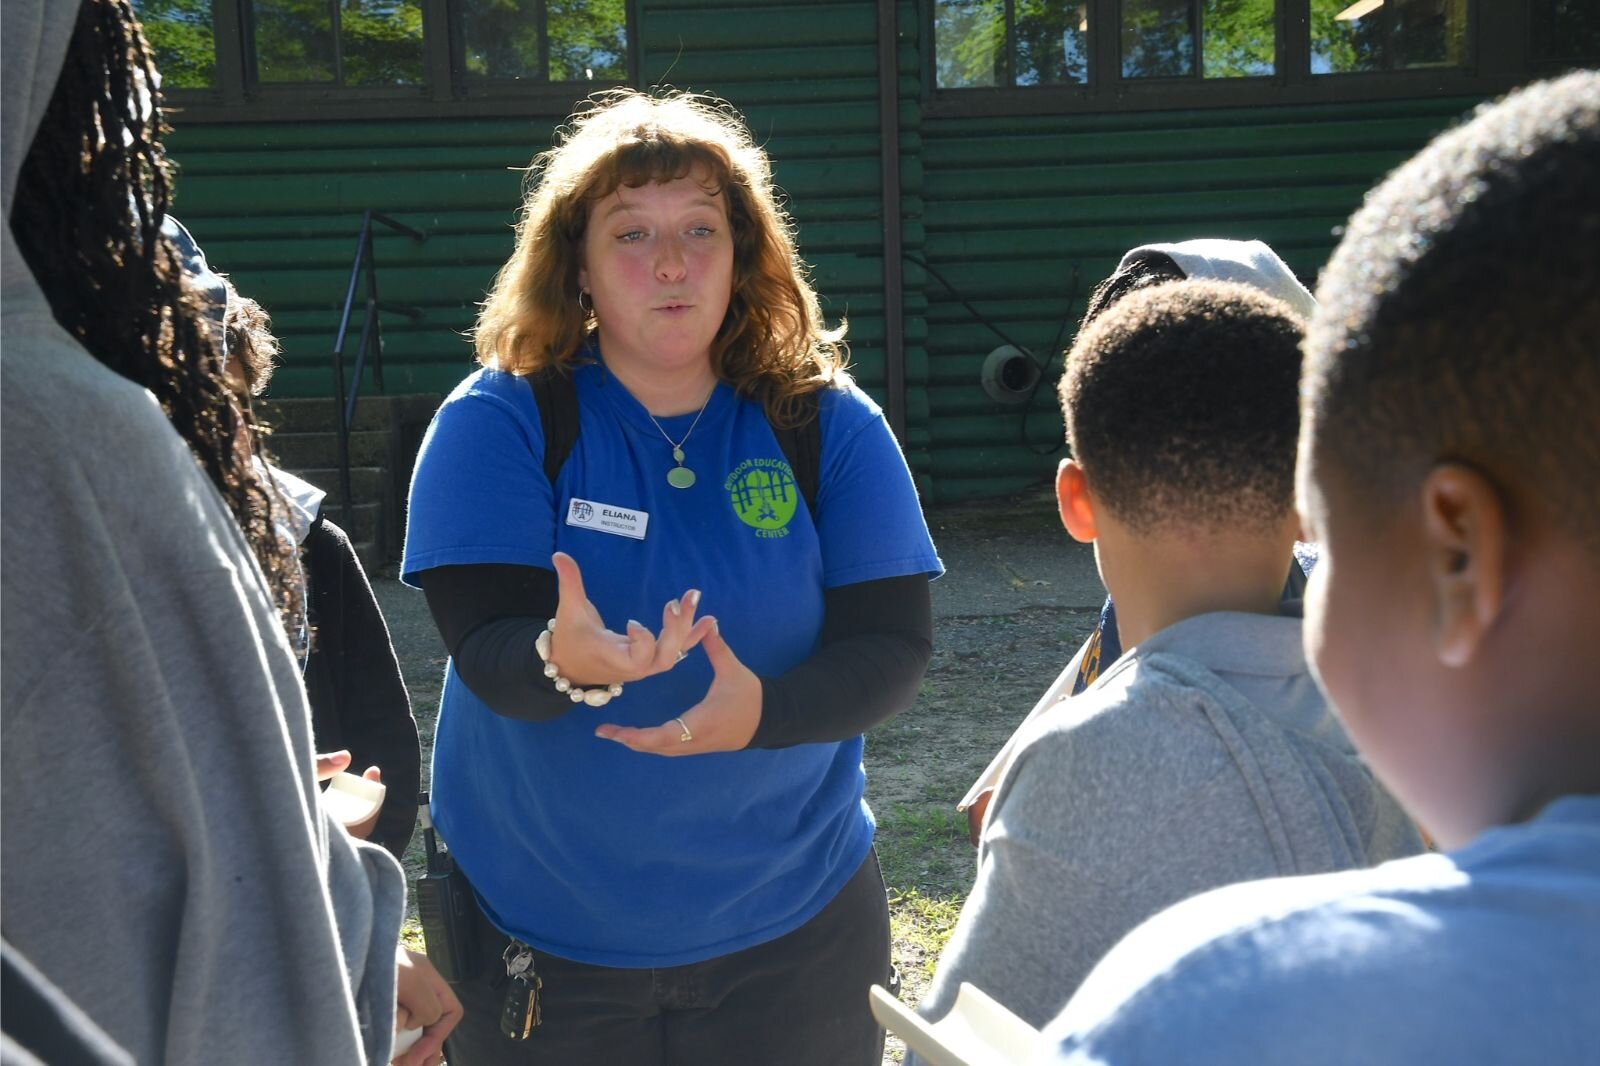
x=279 y=205
x=1013 y=207
x=1003 y=208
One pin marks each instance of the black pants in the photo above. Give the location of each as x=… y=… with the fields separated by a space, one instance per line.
x=799 y=1000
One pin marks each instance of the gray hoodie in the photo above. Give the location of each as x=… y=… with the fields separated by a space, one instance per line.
x=1202 y=757
x=164 y=860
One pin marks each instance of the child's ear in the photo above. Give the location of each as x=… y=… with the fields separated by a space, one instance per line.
x=1464 y=536
x=1072 y=497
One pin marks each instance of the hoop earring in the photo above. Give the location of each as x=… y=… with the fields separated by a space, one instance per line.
x=587 y=309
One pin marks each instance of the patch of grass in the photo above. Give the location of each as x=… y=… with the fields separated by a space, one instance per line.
x=920 y=925
x=924 y=846
x=927 y=868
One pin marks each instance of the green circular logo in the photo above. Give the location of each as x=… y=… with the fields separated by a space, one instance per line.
x=764 y=494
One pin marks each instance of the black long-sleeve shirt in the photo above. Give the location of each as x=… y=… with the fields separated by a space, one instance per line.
x=353 y=681
x=877 y=638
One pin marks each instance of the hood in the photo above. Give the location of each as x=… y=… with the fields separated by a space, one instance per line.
x=35 y=38
x=1246 y=262
x=34 y=35
x=207 y=283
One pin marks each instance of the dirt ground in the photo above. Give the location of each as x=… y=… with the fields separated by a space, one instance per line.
x=1017 y=599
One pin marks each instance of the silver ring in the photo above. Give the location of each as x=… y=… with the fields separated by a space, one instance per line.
x=682 y=655
x=685 y=736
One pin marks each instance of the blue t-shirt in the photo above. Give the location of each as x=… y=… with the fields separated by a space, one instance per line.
x=1490 y=954
x=578 y=845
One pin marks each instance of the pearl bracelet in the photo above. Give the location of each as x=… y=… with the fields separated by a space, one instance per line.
x=598 y=696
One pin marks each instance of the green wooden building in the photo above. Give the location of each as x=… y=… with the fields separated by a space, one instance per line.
x=962 y=171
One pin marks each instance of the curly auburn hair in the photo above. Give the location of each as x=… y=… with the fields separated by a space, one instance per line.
x=772 y=344
x=1181 y=404
x=87 y=213
x=250 y=340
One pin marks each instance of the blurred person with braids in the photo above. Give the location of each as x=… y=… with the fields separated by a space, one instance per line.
x=353 y=680
x=164 y=862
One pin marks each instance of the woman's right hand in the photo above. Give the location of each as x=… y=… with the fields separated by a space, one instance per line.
x=588 y=654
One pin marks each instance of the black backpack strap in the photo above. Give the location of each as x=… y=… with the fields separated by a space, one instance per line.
x=557 y=397
x=802 y=447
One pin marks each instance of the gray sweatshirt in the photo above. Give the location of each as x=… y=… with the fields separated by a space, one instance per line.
x=1202 y=757
x=164 y=860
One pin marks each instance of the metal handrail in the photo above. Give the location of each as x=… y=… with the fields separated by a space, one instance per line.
x=365 y=263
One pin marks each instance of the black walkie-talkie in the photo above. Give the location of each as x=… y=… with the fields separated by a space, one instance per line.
x=445 y=905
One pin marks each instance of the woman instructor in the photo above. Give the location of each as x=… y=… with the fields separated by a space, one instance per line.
x=723 y=904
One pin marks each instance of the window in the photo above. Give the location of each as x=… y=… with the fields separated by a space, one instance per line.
x=1369 y=35
x=1566 y=32
x=181 y=34
x=1001 y=56
x=581 y=40
x=384 y=56
x=1197 y=38
x=325 y=42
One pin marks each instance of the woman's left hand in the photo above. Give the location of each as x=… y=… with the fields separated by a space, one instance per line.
x=724 y=721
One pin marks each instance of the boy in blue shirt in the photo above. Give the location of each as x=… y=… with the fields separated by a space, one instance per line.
x=1449 y=453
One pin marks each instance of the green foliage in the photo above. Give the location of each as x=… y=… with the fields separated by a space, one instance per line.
x=1157 y=39
x=1240 y=38
x=502 y=38
x=1235 y=38
x=294 y=41
x=588 y=40
x=179 y=32
x=382 y=42
x=1339 y=46
x=1392 y=36
x=969 y=43
x=1050 y=46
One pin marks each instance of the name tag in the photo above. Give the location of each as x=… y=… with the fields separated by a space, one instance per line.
x=607 y=518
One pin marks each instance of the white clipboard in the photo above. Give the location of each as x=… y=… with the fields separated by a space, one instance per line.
x=977 y=1031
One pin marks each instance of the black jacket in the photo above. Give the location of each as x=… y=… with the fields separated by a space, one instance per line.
x=358 y=696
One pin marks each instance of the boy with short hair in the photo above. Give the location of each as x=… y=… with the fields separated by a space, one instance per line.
x=1450 y=466
x=1205 y=755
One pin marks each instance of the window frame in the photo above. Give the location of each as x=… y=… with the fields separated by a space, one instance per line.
x=1498 y=48
x=444 y=92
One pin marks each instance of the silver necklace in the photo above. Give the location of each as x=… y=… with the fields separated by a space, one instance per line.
x=680 y=476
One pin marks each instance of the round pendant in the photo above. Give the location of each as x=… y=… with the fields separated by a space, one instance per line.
x=680 y=477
